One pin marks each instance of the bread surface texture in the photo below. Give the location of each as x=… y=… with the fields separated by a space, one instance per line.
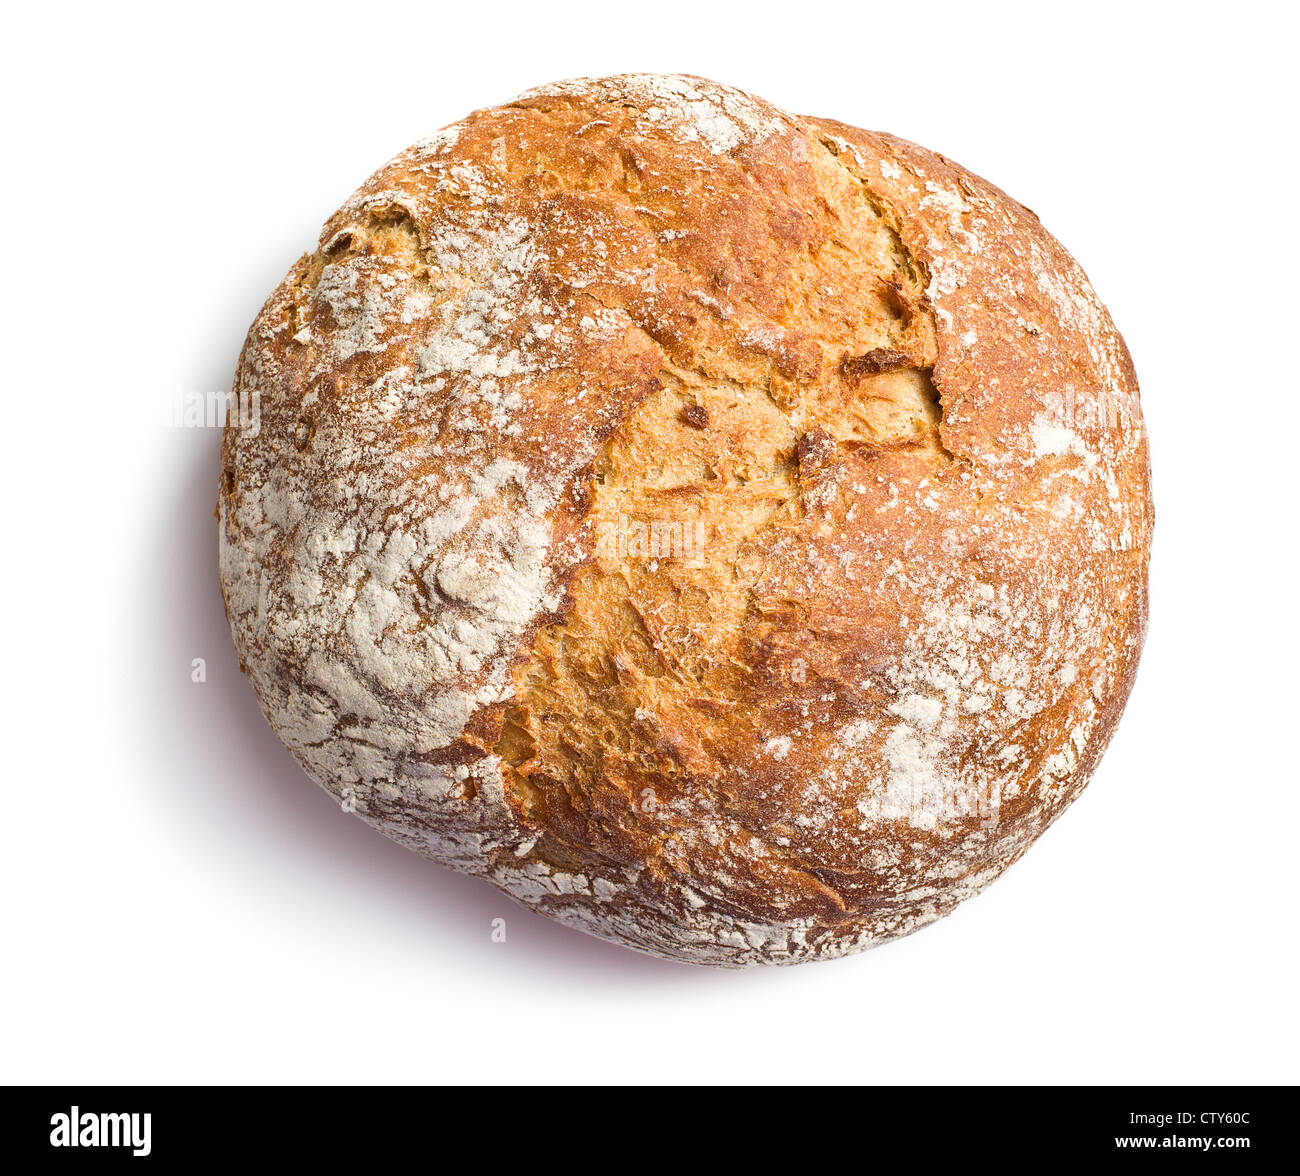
x=725 y=531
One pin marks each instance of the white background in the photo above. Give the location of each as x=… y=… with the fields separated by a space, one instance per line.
x=181 y=904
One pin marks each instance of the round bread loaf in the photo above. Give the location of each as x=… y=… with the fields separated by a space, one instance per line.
x=723 y=530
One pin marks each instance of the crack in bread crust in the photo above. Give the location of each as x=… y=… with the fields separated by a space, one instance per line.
x=725 y=531
x=665 y=633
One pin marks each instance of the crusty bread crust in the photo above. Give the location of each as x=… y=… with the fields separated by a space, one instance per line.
x=725 y=531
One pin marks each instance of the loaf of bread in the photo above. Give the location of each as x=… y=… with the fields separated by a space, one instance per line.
x=725 y=531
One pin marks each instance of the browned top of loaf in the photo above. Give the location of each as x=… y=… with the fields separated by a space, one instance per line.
x=877 y=396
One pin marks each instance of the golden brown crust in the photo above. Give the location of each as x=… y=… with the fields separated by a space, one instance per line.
x=725 y=531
